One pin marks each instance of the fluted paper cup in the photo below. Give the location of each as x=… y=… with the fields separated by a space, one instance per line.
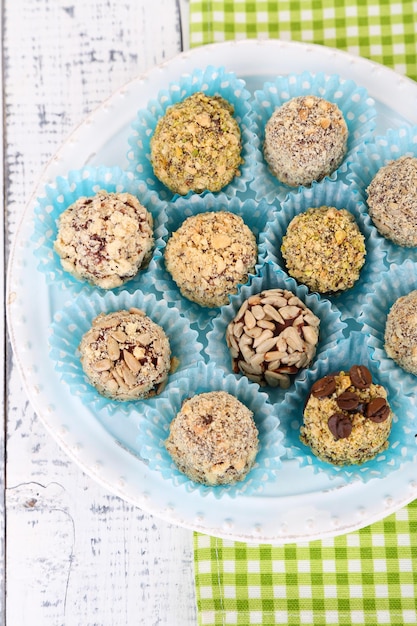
x=392 y=284
x=66 y=190
x=254 y=214
x=211 y=81
x=71 y=323
x=402 y=448
x=341 y=196
x=369 y=160
x=353 y=101
x=154 y=430
x=272 y=277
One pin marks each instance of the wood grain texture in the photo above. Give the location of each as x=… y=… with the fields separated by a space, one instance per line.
x=2 y=356
x=84 y=557
x=77 y=555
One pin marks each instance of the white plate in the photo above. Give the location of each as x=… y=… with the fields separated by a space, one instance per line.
x=302 y=506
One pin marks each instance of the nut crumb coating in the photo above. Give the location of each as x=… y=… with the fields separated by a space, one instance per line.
x=305 y=140
x=392 y=201
x=197 y=145
x=324 y=249
x=213 y=439
x=105 y=239
x=401 y=332
x=210 y=255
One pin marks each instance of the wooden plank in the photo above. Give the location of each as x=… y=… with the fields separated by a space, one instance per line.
x=75 y=553
x=81 y=556
x=2 y=356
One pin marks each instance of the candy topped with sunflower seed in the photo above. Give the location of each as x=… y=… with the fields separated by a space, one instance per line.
x=273 y=335
x=126 y=355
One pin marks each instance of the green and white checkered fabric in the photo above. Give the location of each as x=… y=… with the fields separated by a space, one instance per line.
x=384 y=31
x=368 y=577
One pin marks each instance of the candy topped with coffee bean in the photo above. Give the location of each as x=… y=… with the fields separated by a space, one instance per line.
x=347 y=417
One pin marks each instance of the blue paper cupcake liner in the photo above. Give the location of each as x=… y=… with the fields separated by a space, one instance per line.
x=154 y=430
x=390 y=147
x=341 y=196
x=353 y=101
x=398 y=281
x=254 y=214
x=272 y=277
x=73 y=321
x=87 y=181
x=211 y=81
x=402 y=446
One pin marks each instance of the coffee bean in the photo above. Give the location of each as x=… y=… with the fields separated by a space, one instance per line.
x=348 y=401
x=360 y=376
x=324 y=387
x=339 y=425
x=377 y=410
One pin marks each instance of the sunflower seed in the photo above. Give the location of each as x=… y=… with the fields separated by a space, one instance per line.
x=102 y=365
x=113 y=349
x=132 y=363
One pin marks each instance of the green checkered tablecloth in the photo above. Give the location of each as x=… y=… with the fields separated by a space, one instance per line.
x=366 y=577
x=381 y=30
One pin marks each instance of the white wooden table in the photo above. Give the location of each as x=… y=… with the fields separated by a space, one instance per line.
x=73 y=554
